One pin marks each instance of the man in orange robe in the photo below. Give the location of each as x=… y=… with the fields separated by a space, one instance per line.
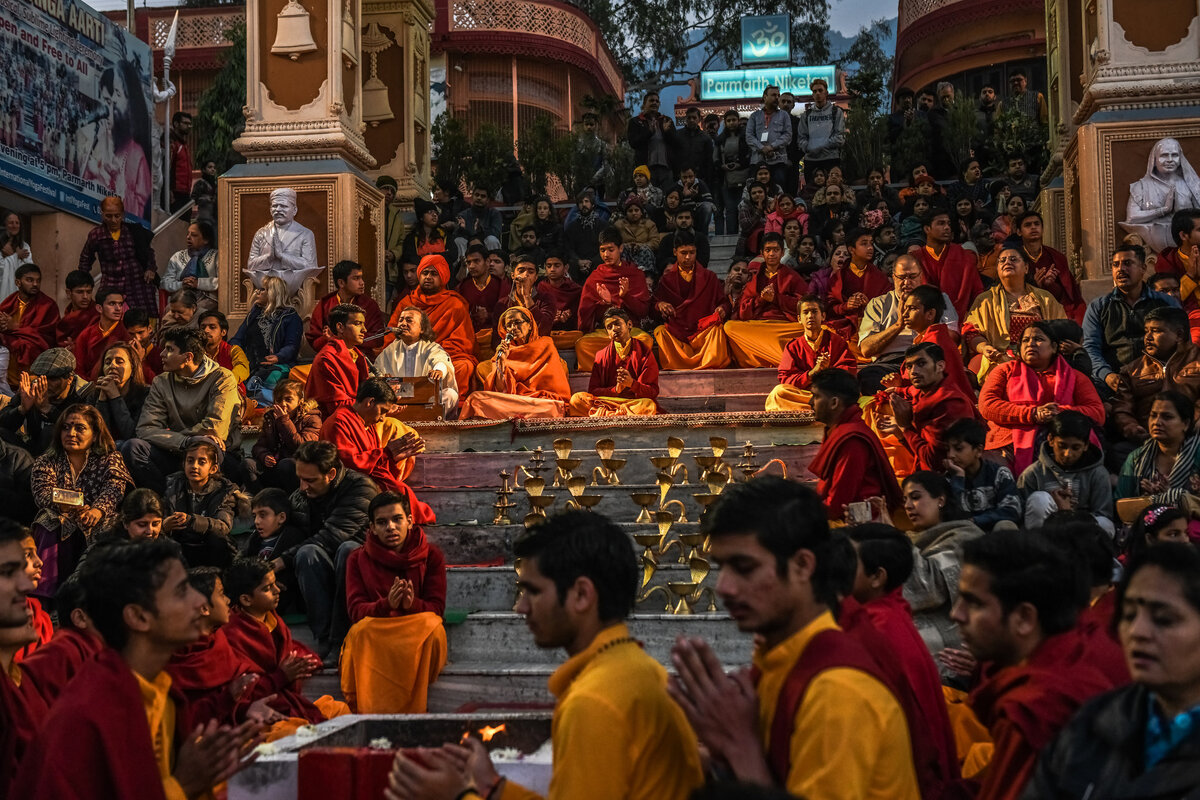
x=612 y=284
x=93 y=340
x=526 y=378
x=689 y=299
x=766 y=314
x=28 y=322
x=947 y=265
x=349 y=287
x=449 y=315
x=624 y=379
x=816 y=349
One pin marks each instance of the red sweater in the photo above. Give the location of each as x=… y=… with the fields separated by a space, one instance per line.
x=933 y=413
x=372 y=568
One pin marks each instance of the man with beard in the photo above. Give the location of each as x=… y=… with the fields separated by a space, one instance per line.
x=582 y=235
x=449 y=316
x=479 y=221
x=414 y=353
x=28 y=321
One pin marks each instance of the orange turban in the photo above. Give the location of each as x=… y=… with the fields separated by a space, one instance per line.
x=439 y=263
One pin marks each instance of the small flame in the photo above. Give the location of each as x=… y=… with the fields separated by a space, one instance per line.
x=487 y=732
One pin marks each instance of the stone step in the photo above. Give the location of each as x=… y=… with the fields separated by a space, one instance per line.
x=759 y=427
x=472 y=544
x=471 y=469
x=494 y=588
x=493 y=638
x=701 y=382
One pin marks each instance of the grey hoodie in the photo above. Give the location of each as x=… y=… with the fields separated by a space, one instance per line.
x=1088 y=480
x=821 y=132
x=178 y=408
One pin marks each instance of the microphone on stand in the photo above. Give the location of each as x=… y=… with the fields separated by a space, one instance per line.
x=381 y=334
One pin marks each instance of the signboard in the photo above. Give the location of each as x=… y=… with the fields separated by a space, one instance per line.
x=736 y=84
x=75 y=109
x=766 y=39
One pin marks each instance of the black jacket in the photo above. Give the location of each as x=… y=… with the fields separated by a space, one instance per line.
x=16 y=489
x=32 y=429
x=1099 y=755
x=639 y=132
x=340 y=515
x=693 y=149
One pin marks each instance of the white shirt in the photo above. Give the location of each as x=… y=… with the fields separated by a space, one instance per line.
x=883 y=311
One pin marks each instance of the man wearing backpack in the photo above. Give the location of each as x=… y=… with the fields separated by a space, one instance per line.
x=821 y=131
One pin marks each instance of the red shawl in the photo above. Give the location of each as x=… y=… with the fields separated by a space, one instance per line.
x=315 y=332
x=54 y=664
x=90 y=346
x=203 y=672
x=956 y=371
x=22 y=713
x=851 y=466
x=43 y=626
x=789 y=288
x=1063 y=287
x=1104 y=651
x=933 y=413
x=101 y=721
x=36 y=331
x=845 y=284
x=73 y=322
x=641 y=365
x=564 y=297
x=334 y=378
x=956 y=273
x=447 y=311
x=799 y=357
x=265 y=650
x=636 y=301
x=486 y=298
x=372 y=568
x=693 y=300
x=1027 y=387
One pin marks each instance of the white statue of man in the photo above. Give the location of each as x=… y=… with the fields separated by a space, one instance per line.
x=283 y=247
x=1169 y=185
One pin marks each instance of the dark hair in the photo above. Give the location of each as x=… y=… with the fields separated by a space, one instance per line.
x=222 y=320
x=883 y=547
x=813 y=298
x=1086 y=545
x=1183 y=222
x=207 y=231
x=243 y=576
x=1029 y=214
x=121 y=574
x=321 y=454
x=341 y=271
x=838 y=383
x=426 y=326
x=140 y=503
x=388 y=499
x=583 y=544
x=930 y=298
x=208 y=443
x=784 y=516
x=25 y=269
x=841 y=565
x=1138 y=251
x=186 y=340
x=939 y=489
x=1023 y=567
x=904 y=92
x=12 y=531
x=771 y=238
x=1148 y=525
x=683 y=238
x=617 y=311
x=855 y=234
x=275 y=499
x=934 y=351
x=136 y=318
x=934 y=212
x=1049 y=330
x=1178 y=560
x=1158 y=277
x=1173 y=317
x=289 y=385
x=180 y=116
x=966 y=430
x=110 y=290
x=477 y=250
x=186 y=296
x=966 y=163
x=1184 y=407
x=340 y=315
x=102 y=441
x=70 y=596
x=140 y=118
x=377 y=389
x=1013 y=73
x=610 y=236
x=79 y=277
x=204 y=580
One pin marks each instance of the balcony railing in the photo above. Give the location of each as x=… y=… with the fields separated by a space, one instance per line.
x=913 y=10
x=197 y=28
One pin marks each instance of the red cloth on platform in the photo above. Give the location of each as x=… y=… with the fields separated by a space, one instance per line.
x=799 y=357
x=564 y=297
x=845 y=284
x=358 y=447
x=74 y=321
x=641 y=365
x=335 y=376
x=55 y=663
x=203 y=671
x=1025 y=706
x=956 y=273
x=693 y=300
x=789 y=288
x=1064 y=287
x=933 y=413
x=851 y=466
x=266 y=649
x=636 y=301
x=372 y=569
x=315 y=332
x=34 y=333
x=91 y=344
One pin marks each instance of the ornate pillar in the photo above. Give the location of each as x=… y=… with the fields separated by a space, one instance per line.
x=304 y=130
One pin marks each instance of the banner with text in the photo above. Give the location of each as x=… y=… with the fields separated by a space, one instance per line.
x=736 y=84
x=75 y=108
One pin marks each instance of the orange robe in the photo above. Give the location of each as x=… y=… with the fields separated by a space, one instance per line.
x=450 y=317
x=762 y=329
x=693 y=338
x=534 y=383
x=603 y=399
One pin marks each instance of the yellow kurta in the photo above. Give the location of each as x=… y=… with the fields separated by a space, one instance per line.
x=708 y=349
x=850 y=739
x=589 y=344
x=989 y=314
x=389 y=662
x=760 y=343
x=160 y=715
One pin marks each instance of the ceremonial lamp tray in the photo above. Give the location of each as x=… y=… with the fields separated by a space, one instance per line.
x=350 y=756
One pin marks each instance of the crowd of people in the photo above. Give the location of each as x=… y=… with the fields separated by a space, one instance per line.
x=969 y=395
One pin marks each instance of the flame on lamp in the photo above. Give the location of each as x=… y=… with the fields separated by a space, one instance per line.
x=487 y=732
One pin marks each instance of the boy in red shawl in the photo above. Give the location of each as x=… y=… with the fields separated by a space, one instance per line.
x=260 y=636
x=352 y=429
x=448 y=314
x=94 y=340
x=128 y=733
x=1018 y=600
x=613 y=284
x=395 y=595
x=624 y=379
x=931 y=404
x=349 y=287
x=851 y=288
x=1048 y=267
x=81 y=308
x=28 y=322
x=922 y=309
x=340 y=366
x=689 y=298
x=77 y=641
x=562 y=296
x=483 y=294
x=851 y=465
x=816 y=349
x=766 y=313
x=947 y=265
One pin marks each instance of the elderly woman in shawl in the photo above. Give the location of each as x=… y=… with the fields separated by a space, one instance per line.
x=1170 y=185
x=526 y=378
x=195 y=266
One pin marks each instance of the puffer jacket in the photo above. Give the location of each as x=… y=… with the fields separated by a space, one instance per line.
x=1088 y=479
x=1145 y=377
x=339 y=515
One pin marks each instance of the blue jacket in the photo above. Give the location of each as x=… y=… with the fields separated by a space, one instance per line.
x=1112 y=330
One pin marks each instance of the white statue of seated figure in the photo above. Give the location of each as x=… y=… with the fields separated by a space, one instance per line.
x=283 y=247
x=1169 y=185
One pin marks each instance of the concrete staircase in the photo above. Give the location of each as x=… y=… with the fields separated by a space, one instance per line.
x=720 y=253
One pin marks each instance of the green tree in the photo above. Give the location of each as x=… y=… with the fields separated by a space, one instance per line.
x=869 y=64
x=866 y=139
x=542 y=152
x=962 y=130
x=491 y=156
x=219 y=119
x=1016 y=134
x=451 y=149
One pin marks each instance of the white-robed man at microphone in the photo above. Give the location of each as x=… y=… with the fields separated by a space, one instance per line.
x=414 y=354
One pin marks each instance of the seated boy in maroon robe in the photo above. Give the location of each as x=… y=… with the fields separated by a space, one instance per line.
x=624 y=378
x=22 y=709
x=851 y=466
x=259 y=635
x=689 y=299
x=931 y=404
x=483 y=293
x=349 y=287
x=817 y=348
x=852 y=287
x=76 y=642
x=28 y=322
x=81 y=307
x=340 y=366
x=128 y=734
x=613 y=283
x=922 y=309
x=947 y=265
x=562 y=295
x=524 y=291
x=94 y=340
